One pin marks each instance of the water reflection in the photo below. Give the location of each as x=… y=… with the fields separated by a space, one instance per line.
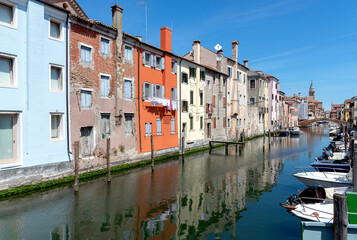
x=203 y=196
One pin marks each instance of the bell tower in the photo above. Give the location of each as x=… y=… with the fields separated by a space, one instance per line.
x=311 y=93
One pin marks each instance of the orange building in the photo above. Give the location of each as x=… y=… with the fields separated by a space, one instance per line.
x=156 y=89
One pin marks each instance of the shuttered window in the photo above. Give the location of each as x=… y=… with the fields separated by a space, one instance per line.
x=127 y=89
x=147 y=129
x=158 y=126
x=224 y=122
x=129 y=124
x=191 y=97
x=104 y=86
x=128 y=54
x=214 y=122
x=105 y=124
x=86 y=99
x=104 y=46
x=224 y=102
x=173 y=94
x=148 y=90
x=191 y=123
x=214 y=101
x=201 y=122
x=86 y=54
x=173 y=126
x=201 y=98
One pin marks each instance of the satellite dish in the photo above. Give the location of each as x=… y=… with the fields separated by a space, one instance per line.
x=218 y=47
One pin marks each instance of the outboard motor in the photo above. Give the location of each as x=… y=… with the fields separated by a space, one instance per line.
x=311 y=194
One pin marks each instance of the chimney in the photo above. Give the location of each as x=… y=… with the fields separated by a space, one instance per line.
x=140 y=38
x=117 y=14
x=235 y=50
x=165 y=34
x=197 y=51
x=245 y=61
x=219 y=59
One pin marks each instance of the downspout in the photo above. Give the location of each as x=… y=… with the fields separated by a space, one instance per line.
x=180 y=124
x=139 y=96
x=67 y=89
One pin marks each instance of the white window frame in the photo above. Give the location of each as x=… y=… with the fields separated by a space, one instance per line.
x=100 y=77
x=60 y=127
x=89 y=90
x=101 y=50
x=125 y=56
x=55 y=20
x=13 y=6
x=14 y=83
x=60 y=84
x=80 y=51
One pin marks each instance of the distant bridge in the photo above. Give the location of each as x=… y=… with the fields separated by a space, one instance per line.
x=305 y=123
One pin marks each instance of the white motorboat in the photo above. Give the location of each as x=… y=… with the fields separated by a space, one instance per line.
x=318 y=212
x=325 y=179
x=294 y=131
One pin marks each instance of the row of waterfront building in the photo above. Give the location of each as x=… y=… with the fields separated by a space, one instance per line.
x=346 y=111
x=65 y=77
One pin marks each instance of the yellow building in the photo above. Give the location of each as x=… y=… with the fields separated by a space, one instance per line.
x=347 y=113
x=190 y=82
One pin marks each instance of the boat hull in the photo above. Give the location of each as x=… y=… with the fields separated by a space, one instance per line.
x=331 y=167
x=336 y=180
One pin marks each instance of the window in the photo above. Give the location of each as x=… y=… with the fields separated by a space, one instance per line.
x=184 y=78
x=159 y=91
x=191 y=97
x=128 y=124
x=224 y=82
x=191 y=122
x=208 y=108
x=55 y=30
x=56 y=126
x=128 y=53
x=201 y=122
x=104 y=46
x=228 y=97
x=184 y=106
x=214 y=122
x=159 y=63
x=56 y=78
x=158 y=126
x=229 y=123
x=214 y=79
x=201 y=98
x=148 y=91
x=173 y=93
x=209 y=84
x=105 y=124
x=252 y=83
x=6 y=71
x=230 y=72
x=252 y=101
x=224 y=102
x=213 y=100
x=86 y=139
x=174 y=67
x=86 y=54
x=192 y=72
x=173 y=126
x=147 y=129
x=202 y=75
x=8 y=138
x=86 y=99
x=104 y=85
x=127 y=89
x=148 y=59
x=238 y=75
x=6 y=14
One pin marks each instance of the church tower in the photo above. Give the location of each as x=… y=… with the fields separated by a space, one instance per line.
x=311 y=93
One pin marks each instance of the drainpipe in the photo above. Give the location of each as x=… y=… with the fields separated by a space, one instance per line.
x=141 y=147
x=180 y=123
x=67 y=89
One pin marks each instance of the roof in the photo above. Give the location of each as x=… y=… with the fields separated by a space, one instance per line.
x=72 y=6
x=315 y=101
x=91 y=21
x=311 y=86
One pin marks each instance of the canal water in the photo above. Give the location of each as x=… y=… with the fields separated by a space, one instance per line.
x=204 y=196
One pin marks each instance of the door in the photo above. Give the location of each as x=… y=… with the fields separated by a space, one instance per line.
x=7 y=138
x=208 y=130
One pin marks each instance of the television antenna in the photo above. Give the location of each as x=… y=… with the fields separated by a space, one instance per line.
x=146 y=17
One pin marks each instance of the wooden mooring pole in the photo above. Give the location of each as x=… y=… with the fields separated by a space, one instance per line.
x=109 y=176
x=340 y=219
x=346 y=137
x=243 y=136
x=183 y=146
x=152 y=153
x=76 y=165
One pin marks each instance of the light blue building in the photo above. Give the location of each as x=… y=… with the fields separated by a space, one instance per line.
x=33 y=84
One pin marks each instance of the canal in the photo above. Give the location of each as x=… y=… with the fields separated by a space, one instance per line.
x=204 y=196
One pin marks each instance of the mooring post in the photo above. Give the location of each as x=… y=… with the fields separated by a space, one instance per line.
x=76 y=165
x=340 y=219
x=226 y=148
x=183 y=146
x=152 y=152
x=109 y=176
x=243 y=136
x=346 y=138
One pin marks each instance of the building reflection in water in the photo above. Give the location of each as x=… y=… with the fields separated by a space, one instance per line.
x=203 y=195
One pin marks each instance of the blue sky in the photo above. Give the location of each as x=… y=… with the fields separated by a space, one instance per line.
x=295 y=40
